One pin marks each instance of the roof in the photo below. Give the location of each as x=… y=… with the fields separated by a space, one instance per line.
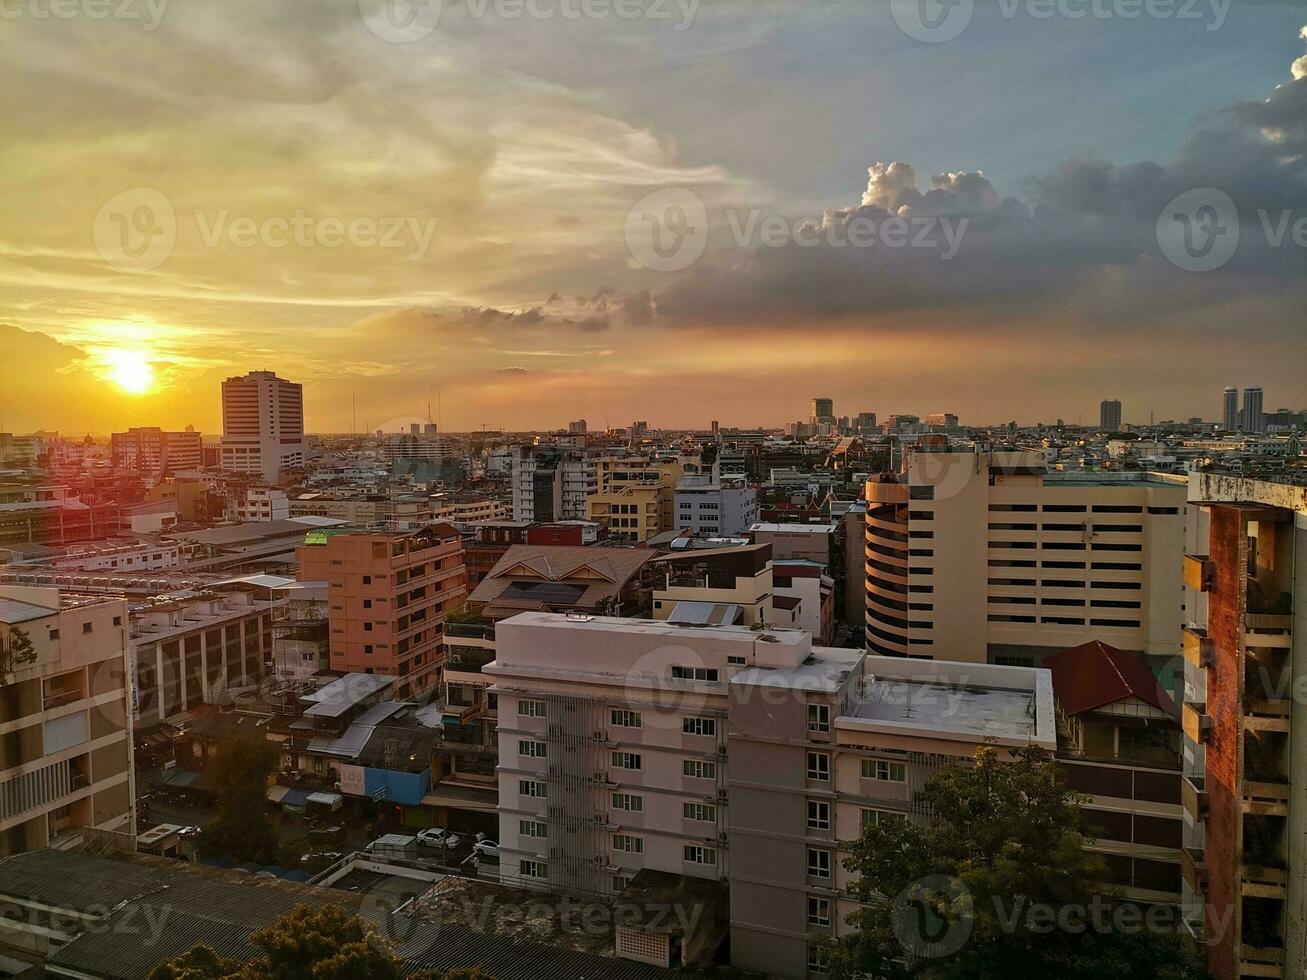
x=1094 y=675
x=14 y=611
x=535 y=577
x=335 y=699
x=691 y=612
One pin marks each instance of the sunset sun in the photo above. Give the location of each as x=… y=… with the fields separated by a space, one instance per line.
x=130 y=370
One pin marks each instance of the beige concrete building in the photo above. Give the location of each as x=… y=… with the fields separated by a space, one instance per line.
x=636 y=495
x=737 y=580
x=989 y=556
x=65 y=737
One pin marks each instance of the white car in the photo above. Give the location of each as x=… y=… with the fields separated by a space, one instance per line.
x=486 y=848
x=434 y=837
x=452 y=841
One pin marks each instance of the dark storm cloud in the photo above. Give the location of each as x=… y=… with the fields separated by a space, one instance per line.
x=1080 y=241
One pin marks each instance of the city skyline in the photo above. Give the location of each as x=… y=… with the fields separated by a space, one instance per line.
x=513 y=191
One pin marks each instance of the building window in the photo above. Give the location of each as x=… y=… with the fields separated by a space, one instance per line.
x=894 y=772
x=534 y=869
x=698 y=769
x=531 y=787
x=531 y=749
x=698 y=726
x=86 y=627
x=696 y=854
x=819 y=863
x=819 y=766
x=622 y=718
x=735 y=661
x=629 y=802
x=819 y=815
x=532 y=828
x=628 y=843
x=628 y=760
x=873 y=817
x=705 y=812
x=818 y=717
x=531 y=709
x=818 y=958
x=818 y=911
x=694 y=673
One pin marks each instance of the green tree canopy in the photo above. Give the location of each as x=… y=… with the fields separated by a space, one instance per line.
x=244 y=828
x=311 y=942
x=997 y=884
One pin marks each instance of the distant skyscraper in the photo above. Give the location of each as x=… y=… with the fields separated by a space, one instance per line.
x=262 y=425
x=1109 y=414
x=716 y=427
x=1230 y=419
x=577 y=427
x=823 y=410
x=1252 y=418
x=415 y=428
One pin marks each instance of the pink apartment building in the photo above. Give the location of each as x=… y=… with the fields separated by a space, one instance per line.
x=387 y=596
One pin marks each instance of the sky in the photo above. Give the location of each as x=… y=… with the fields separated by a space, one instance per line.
x=523 y=212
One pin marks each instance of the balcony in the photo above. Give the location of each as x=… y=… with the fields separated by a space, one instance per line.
x=1199 y=650
x=1193 y=795
x=1265 y=797
x=1263 y=877
x=1195 y=721
x=58 y=700
x=1193 y=867
x=1199 y=571
x=1257 y=960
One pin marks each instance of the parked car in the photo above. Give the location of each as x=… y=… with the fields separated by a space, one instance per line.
x=189 y=831
x=485 y=847
x=326 y=857
x=434 y=837
x=452 y=841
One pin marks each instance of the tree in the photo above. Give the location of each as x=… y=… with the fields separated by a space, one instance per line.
x=243 y=830
x=997 y=884
x=311 y=942
x=197 y=963
x=16 y=651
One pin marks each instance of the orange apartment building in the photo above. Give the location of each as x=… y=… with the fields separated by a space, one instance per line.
x=387 y=595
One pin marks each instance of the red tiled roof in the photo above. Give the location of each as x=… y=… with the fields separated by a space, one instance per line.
x=1094 y=675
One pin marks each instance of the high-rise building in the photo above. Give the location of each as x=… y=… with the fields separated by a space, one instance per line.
x=157 y=453
x=1244 y=891
x=988 y=556
x=262 y=425
x=823 y=410
x=1109 y=414
x=388 y=594
x=716 y=507
x=634 y=494
x=577 y=428
x=551 y=483
x=66 y=760
x=1251 y=416
x=1230 y=414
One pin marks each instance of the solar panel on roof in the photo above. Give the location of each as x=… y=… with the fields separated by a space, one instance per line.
x=550 y=593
